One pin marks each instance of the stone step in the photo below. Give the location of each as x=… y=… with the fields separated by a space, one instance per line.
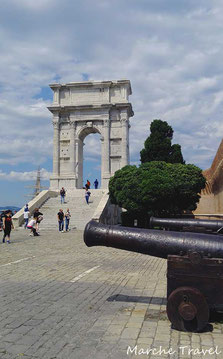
x=81 y=212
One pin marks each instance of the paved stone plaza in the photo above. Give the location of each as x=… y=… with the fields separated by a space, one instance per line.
x=61 y=299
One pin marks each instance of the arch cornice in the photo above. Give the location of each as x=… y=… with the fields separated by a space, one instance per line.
x=108 y=106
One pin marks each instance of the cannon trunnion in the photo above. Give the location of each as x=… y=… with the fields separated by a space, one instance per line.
x=194 y=268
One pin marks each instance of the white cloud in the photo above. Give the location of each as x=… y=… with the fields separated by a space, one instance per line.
x=33 y=5
x=24 y=176
x=171 y=52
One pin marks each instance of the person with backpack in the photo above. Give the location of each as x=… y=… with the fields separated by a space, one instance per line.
x=62 y=195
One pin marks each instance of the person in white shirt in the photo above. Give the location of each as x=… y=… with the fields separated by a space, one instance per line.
x=32 y=225
x=67 y=219
x=26 y=215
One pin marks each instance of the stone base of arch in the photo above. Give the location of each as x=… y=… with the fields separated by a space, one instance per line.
x=68 y=182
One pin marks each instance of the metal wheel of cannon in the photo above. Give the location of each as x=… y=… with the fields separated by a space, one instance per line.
x=187 y=309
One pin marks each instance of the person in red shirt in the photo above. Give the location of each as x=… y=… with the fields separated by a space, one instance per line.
x=88 y=184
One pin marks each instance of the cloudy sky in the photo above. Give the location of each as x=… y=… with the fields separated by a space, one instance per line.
x=171 y=51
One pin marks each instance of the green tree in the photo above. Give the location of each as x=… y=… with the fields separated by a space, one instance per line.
x=158 y=147
x=156 y=188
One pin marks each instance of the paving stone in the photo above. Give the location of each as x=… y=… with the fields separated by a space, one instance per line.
x=121 y=303
x=18 y=349
x=131 y=333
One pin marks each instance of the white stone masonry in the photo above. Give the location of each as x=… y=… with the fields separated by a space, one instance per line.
x=81 y=108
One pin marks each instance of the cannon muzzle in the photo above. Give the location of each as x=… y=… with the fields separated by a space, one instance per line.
x=190 y=223
x=152 y=242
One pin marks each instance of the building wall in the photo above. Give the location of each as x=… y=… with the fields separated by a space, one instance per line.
x=211 y=201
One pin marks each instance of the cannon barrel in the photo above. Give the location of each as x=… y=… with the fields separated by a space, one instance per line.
x=189 y=223
x=152 y=242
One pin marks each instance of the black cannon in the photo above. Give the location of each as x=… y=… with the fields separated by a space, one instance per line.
x=190 y=224
x=194 y=268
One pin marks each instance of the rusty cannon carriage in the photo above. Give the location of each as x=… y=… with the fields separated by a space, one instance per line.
x=188 y=224
x=194 y=268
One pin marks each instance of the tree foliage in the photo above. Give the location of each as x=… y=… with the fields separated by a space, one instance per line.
x=158 y=147
x=156 y=188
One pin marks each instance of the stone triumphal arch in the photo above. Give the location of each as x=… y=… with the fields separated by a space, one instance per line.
x=81 y=108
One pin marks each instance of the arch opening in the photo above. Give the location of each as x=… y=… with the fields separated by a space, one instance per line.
x=92 y=159
x=89 y=156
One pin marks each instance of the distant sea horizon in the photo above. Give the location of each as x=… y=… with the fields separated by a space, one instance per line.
x=12 y=208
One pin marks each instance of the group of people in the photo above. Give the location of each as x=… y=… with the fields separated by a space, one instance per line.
x=33 y=222
x=88 y=184
x=87 y=192
x=61 y=217
x=87 y=187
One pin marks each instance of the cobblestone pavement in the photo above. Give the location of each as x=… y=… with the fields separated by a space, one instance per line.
x=60 y=299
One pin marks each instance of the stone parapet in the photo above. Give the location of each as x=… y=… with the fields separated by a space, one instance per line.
x=106 y=212
x=36 y=202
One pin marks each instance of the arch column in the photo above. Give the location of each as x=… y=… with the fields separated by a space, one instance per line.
x=125 y=141
x=72 y=149
x=106 y=154
x=56 y=145
x=79 y=162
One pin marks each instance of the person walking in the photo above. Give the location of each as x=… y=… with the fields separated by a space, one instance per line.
x=26 y=215
x=96 y=184
x=67 y=220
x=62 y=195
x=87 y=195
x=60 y=216
x=7 y=225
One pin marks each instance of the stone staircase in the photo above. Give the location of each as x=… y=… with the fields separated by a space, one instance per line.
x=81 y=213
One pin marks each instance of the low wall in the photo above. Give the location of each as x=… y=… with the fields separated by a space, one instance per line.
x=206 y=205
x=210 y=204
x=36 y=202
x=106 y=212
